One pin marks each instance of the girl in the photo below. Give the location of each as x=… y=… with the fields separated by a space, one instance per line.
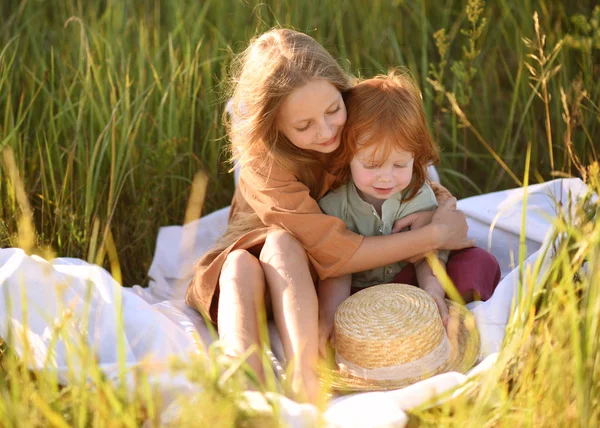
x=390 y=146
x=289 y=114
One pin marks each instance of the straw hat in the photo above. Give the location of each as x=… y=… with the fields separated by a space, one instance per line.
x=391 y=335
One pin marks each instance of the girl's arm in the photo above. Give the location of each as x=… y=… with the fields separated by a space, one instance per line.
x=280 y=200
x=448 y=226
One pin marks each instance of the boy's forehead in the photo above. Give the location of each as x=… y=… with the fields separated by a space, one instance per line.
x=381 y=150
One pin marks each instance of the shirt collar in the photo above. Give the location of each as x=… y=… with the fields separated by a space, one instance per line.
x=389 y=208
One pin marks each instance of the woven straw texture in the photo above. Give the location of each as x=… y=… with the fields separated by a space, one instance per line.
x=391 y=324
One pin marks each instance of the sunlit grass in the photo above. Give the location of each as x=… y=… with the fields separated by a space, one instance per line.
x=112 y=108
x=110 y=111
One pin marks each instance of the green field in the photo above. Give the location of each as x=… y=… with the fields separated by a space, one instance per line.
x=108 y=109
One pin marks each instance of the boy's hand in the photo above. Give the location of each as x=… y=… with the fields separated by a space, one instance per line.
x=413 y=221
x=435 y=290
x=325 y=334
x=332 y=292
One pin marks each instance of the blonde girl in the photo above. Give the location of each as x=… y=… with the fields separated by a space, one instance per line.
x=289 y=114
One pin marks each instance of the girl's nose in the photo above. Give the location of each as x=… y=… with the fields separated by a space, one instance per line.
x=326 y=130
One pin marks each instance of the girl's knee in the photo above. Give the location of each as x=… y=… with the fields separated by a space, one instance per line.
x=242 y=273
x=282 y=245
x=241 y=260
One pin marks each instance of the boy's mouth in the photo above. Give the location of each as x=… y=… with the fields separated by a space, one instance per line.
x=383 y=191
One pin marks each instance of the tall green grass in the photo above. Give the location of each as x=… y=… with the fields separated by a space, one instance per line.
x=112 y=107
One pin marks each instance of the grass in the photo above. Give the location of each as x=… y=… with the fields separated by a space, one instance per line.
x=110 y=109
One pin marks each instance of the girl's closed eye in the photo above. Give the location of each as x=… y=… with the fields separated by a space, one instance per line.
x=400 y=165
x=304 y=128
x=335 y=110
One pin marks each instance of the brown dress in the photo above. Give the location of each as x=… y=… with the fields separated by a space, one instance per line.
x=267 y=197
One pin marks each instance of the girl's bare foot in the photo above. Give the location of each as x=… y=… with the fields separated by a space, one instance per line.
x=305 y=387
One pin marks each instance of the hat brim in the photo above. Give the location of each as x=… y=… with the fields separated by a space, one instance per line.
x=464 y=351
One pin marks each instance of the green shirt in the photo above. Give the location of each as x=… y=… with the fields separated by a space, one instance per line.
x=362 y=218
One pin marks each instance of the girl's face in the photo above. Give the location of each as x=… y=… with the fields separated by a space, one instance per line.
x=312 y=117
x=379 y=179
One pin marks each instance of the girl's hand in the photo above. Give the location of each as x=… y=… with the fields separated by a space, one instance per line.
x=451 y=226
x=440 y=192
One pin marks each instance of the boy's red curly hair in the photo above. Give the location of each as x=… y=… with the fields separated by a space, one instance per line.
x=386 y=111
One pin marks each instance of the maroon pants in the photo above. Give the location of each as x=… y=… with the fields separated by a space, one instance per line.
x=474 y=272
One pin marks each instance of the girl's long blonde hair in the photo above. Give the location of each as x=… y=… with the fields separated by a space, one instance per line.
x=274 y=64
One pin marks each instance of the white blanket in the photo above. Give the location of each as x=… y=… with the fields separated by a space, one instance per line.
x=37 y=295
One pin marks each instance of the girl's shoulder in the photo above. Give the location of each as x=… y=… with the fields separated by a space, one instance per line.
x=264 y=169
x=339 y=193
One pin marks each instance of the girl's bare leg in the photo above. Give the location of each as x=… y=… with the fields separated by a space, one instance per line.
x=242 y=285
x=295 y=308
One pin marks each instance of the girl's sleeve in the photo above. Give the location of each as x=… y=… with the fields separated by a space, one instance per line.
x=280 y=200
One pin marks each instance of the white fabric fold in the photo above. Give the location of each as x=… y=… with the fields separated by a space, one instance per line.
x=38 y=295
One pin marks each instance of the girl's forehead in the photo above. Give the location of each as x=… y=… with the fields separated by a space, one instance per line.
x=304 y=102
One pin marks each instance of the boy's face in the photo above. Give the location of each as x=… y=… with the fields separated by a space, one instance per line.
x=378 y=179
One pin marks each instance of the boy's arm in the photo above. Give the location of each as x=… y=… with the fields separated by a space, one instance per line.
x=428 y=282
x=332 y=292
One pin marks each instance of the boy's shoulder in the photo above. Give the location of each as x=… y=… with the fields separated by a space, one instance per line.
x=425 y=192
x=423 y=200
x=334 y=200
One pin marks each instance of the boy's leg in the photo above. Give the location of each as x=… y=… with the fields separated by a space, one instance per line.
x=407 y=275
x=474 y=272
